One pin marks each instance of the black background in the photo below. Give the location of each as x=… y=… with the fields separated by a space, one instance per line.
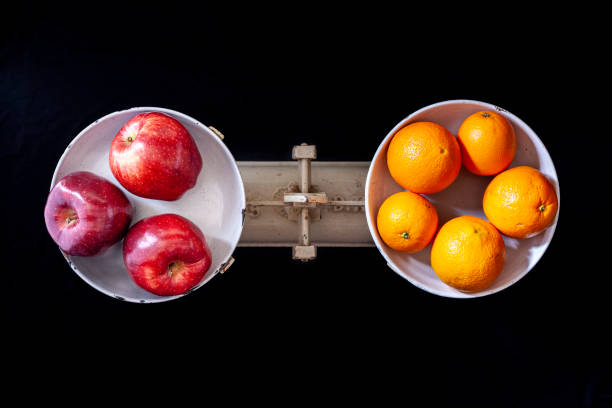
x=343 y=327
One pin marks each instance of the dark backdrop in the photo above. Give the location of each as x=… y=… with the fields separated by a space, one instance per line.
x=343 y=325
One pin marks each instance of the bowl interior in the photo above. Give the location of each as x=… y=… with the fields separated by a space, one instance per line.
x=463 y=197
x=215 y=204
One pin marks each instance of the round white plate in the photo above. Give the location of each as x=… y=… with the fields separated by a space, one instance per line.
x=215 y=204
x=463 y=197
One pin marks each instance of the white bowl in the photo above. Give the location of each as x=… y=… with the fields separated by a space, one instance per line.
x=215 y=204
x=463 y=197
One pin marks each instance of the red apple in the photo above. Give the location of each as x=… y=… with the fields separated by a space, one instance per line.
x=166 y=254
x=154 y=156
x=85 y=214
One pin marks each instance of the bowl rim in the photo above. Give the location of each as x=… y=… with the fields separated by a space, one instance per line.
x=371 y=226
x=214 y=136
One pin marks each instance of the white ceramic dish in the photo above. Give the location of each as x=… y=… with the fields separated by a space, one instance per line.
x=463 y=197
x=216 y=203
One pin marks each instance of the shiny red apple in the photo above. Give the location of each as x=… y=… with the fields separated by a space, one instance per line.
x=154 y=156
x=166 y=254
x=85 y=214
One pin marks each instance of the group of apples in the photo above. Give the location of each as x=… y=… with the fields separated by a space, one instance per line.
x=152 y=156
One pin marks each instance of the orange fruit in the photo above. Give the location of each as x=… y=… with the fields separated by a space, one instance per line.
x=488 y=143
x=407 y=221
x=468 y=253
x=520 y=202
x=424 y=157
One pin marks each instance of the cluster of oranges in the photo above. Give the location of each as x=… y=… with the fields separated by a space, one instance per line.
x=467 y=253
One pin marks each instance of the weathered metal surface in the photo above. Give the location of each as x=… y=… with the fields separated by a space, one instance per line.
x=270 y=221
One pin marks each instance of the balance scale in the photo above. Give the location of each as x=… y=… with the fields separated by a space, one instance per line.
x=301 y=204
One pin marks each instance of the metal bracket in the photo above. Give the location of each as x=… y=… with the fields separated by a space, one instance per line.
x=217 y=132
x=305 y=199
x=224 y=267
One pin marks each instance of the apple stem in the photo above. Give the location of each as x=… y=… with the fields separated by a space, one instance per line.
x=71 y=219
x=173 y=267
x=171 y=263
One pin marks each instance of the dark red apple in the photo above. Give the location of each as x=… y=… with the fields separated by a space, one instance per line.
x=166 y=254
x=85 y=214
x=154 y=156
